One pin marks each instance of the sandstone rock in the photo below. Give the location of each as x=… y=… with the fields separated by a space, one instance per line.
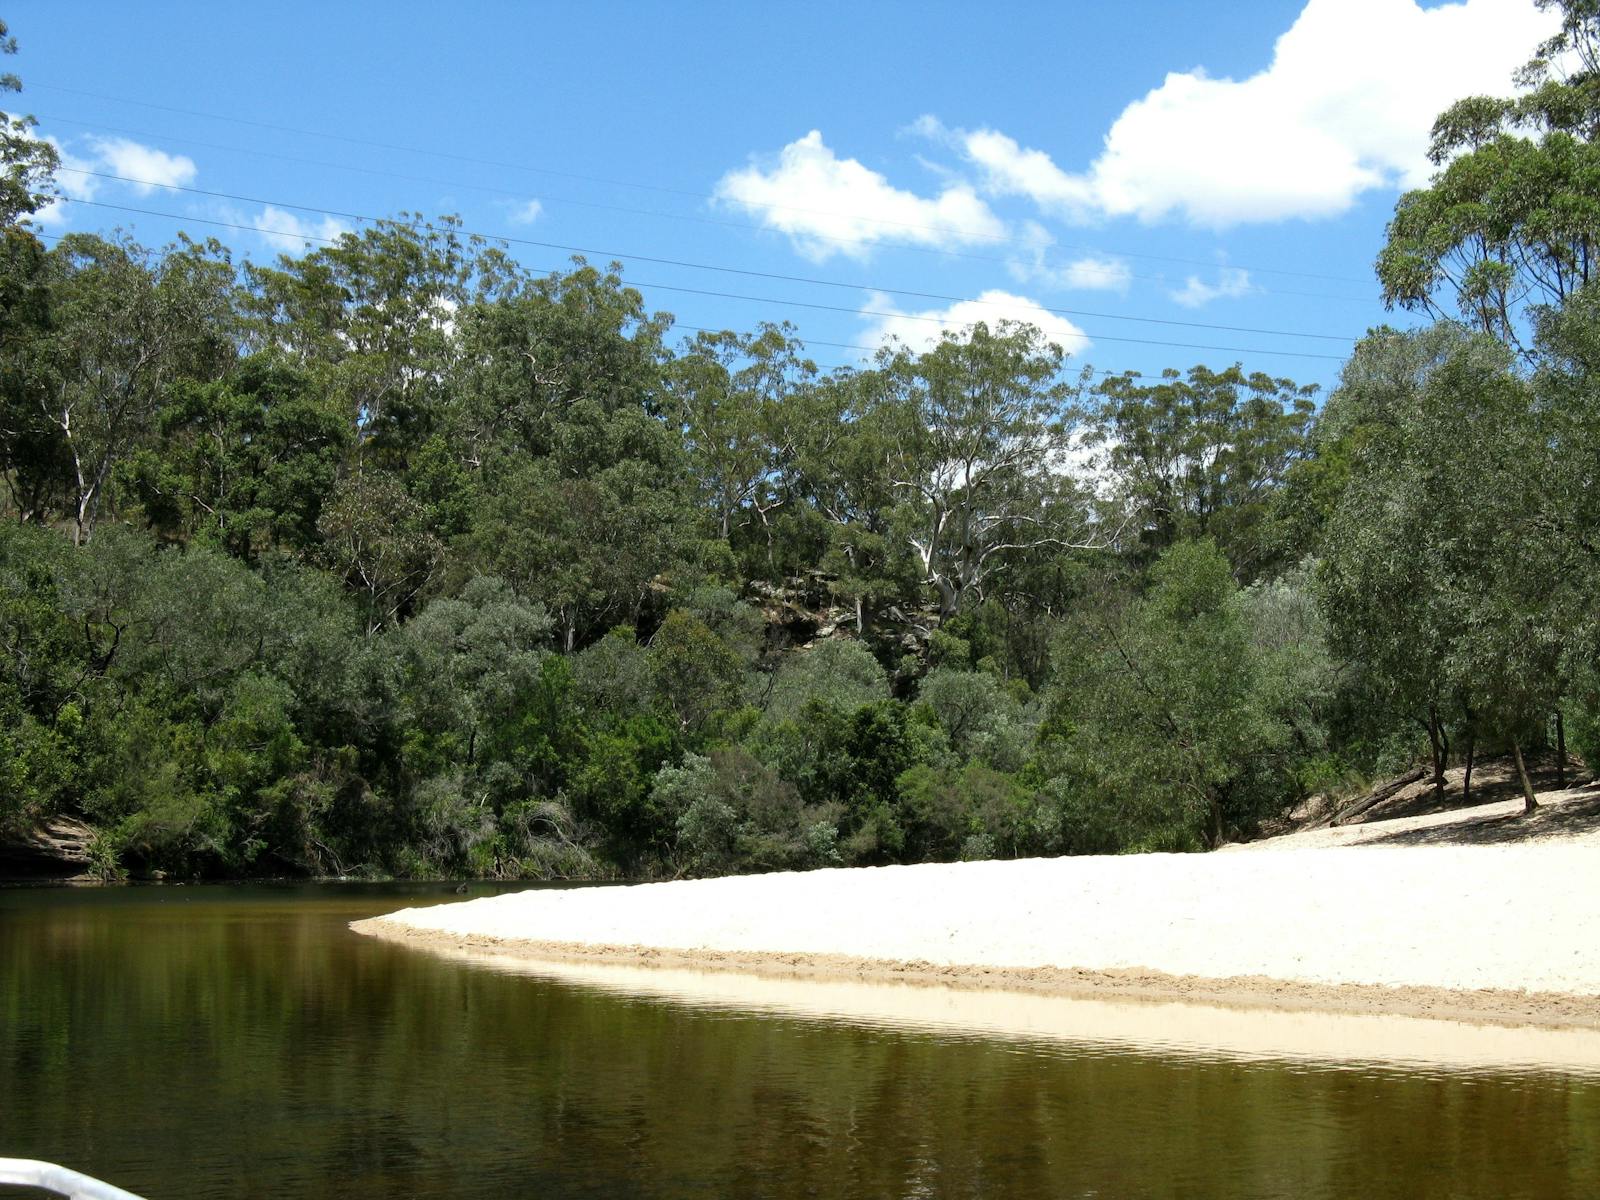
x=58 y=848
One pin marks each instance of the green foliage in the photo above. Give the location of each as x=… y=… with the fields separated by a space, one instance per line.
x=696 y=672
x=29 y=163
x=983 y=719
x=245 y=462
x=837 y=674
x=1161 y=729
x=1446 y=575
x=1510 y=219
x=1203 y=455
x=396 y=558
x=970 y=431
x=732 y=812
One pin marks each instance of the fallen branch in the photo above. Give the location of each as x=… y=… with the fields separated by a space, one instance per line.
x=1378 y=795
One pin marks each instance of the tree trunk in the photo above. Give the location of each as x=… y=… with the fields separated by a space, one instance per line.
x=1528 y=802
x=1466 y=780
x=1561 y=751
x=1438 y=747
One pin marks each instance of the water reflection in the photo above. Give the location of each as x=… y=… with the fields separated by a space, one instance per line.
x=241 y=1042
x=1123 y=1026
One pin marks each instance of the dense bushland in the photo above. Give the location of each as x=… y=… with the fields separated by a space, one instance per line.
x=396 y=558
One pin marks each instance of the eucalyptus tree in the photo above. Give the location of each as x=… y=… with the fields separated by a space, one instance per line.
x=580 y=481
x=697 y=673
x=1160 y=731
x=837 y=672
x=735 y=398
x=471 y=663
x=585 y=544
x=371 y=317
x=1511 y=218
x=1444 y=569
x=123 y=327
x=976 y=449
x=1204 y=454
x=245 y=462
x=536 y=348
x=847 y=426
x=375 y=536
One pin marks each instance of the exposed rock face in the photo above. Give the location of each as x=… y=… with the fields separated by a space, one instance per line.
x=58 y=848
x=803 y=609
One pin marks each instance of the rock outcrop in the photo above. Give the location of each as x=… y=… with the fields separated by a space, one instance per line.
x=57 y=848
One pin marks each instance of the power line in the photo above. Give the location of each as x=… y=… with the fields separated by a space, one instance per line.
x=546 y=198
x=701 y=196
x=700 y=266
x=806 y=342
x=676 y=324
x=667 y=287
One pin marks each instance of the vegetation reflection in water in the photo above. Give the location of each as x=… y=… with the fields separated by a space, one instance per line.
x=241 y=1041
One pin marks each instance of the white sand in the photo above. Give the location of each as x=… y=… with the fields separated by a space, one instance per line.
x=1451 y=917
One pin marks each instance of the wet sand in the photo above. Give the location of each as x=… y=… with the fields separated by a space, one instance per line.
x=1491 y=1006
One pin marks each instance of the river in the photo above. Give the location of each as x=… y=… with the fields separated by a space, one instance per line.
x=241 y=1041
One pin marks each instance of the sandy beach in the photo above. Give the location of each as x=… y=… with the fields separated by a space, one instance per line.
x=1462 y=915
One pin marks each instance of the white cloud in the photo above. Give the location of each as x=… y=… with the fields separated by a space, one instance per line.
x=1231 y=282
x=1092 y=272
x=290 y=233
x=149 y=167
x=830 y=205
x=1095 y=273
x=83 y=175
x=1345 y=106
x=525 y=214
x=920 y=330
x=71 y=181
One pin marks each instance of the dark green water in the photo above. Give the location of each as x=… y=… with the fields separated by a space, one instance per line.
x=192 y=1042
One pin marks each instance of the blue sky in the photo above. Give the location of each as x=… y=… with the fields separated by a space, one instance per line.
x=1122 y=174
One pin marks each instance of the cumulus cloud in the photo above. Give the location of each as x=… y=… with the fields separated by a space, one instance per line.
x=920 y=330
x=85 y=166
x=1344 y=107
x=830 y=205
x=143 y=168
x=525 y=214
x=289 y=233
x=1231 y=283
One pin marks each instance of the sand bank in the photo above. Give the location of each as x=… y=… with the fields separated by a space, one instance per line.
x=1497 y=933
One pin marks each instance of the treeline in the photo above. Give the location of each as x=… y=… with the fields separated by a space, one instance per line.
x=397 y=558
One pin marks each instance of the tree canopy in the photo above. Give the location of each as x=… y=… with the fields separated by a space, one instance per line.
x=396 y=557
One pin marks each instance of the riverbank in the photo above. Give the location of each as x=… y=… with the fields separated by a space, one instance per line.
x=1480 y=931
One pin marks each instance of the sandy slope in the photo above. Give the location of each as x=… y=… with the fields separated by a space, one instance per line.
x=1297 y=920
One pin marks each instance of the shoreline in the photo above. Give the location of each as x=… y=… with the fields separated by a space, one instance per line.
x=1432 y=916
x=1483 y=1006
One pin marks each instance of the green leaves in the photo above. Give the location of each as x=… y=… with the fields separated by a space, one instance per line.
x=1161 y=728
x=1446 y=569
x=1509 y=223
x=1205 y=455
